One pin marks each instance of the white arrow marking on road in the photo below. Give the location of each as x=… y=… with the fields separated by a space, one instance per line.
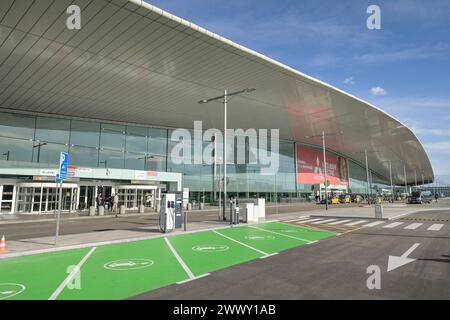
x=395 y=262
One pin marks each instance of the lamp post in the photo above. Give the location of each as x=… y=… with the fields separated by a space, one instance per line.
x=39 y=145
x=224 y=99
x=7 y=155
x=369 y=187
x=325 y=182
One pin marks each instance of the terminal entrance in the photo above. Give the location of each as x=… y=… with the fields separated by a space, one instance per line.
x=43 y=197
x=133 y=196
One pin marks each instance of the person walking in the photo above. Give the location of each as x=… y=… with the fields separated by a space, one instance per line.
x=115 y=202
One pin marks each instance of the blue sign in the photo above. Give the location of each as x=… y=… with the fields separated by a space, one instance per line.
x=57 y=179
x=63 y=165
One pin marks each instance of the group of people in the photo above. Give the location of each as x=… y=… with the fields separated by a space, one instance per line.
x=111 y=203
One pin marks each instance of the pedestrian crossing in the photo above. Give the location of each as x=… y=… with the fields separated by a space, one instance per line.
x=352 y=224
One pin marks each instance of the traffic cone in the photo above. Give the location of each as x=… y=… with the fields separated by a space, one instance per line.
x=3 y=245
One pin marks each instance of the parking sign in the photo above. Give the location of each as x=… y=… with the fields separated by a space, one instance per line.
x=63 y=165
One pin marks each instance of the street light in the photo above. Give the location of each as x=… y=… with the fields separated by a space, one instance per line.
x=39 y=145
x=369 y=188
x=224 y=99
x=7 y=155
x=325 y=181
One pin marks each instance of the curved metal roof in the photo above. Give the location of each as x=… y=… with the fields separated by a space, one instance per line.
x=132 y=62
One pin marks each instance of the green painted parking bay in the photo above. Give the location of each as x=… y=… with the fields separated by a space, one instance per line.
x=36 y=277
x=119 y=271
x=263 y=240
x=204 y=252
x=308 y=234
x=123 y=270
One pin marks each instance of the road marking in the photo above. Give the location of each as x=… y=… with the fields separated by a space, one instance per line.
x=71 y=275
x=241 y=243
x=325 y=221
x=393 y=225
x=339 y=222
x=194 y=278
x=281 y=234
x=435 y=227
x=296 y=219
x=413 y=226
x=355 y=223
x=180 y=261
x=311 y=220
x=395 y=262
x=373 y=224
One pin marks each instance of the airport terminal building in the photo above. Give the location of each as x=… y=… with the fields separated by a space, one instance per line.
x=113 y=93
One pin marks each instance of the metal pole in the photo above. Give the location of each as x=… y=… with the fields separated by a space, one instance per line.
x=406 y=183
x=325 y=170
x=58 y=216
x=215 y=167
x=390 y=176
x=415 y=177
x=368 y=181
x=225 y=104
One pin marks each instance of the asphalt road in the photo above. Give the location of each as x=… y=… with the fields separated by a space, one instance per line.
x=144 y=223
x=336 y=268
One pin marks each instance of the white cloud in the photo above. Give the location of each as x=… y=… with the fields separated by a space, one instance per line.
x=442 y=147
x=349 y=81
x=431 y=132
x=378 y=91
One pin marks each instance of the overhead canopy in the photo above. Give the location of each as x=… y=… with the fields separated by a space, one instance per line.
x=132 y=62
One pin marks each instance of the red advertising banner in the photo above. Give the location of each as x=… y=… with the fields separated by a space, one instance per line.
x=310 y=167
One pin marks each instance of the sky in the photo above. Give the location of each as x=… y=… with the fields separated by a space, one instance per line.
x=403 y=68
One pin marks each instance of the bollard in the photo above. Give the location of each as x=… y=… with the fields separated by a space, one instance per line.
x=141 y=208
x=101 y=210
x=202 y=206
x=185 y=221
x=92 y=211
x=189 y=207
x=122 y=209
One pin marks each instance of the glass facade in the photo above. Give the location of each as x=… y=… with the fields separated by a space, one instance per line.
x=37 y=141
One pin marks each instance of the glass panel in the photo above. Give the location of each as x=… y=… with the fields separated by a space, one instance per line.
x=17 y=126
x=85 y=133
x=48 y=152
x=83 y=156
x=135 y=161
x=114 y=159
x=52 y=130
x=157 y=141
x=137 y=139
x=16 y=149
x=112 y=136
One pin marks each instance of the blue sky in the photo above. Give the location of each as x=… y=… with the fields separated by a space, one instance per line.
x=404 y=68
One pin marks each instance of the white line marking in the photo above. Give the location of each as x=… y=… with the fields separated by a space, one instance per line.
x=241 y=243
x=281 y=234
x=297 y=219
x=325 y=221
x=355 y=223
x=310 y=220
x=269 y=255
x=194 y=278
x=339 y=222
x=413 y=226
x=183 y=265
x=373 y=224
x=435 y=227
x=71 y=275
x=392 y=225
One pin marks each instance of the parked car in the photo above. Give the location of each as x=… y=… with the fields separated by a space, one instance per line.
x=345 y=198
x=420 y=197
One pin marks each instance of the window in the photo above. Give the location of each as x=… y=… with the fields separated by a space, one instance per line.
x=85 y=134
x=52 y=130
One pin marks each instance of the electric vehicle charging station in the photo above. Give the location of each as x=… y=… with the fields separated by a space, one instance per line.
x=234 y=211
x=171 y=211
